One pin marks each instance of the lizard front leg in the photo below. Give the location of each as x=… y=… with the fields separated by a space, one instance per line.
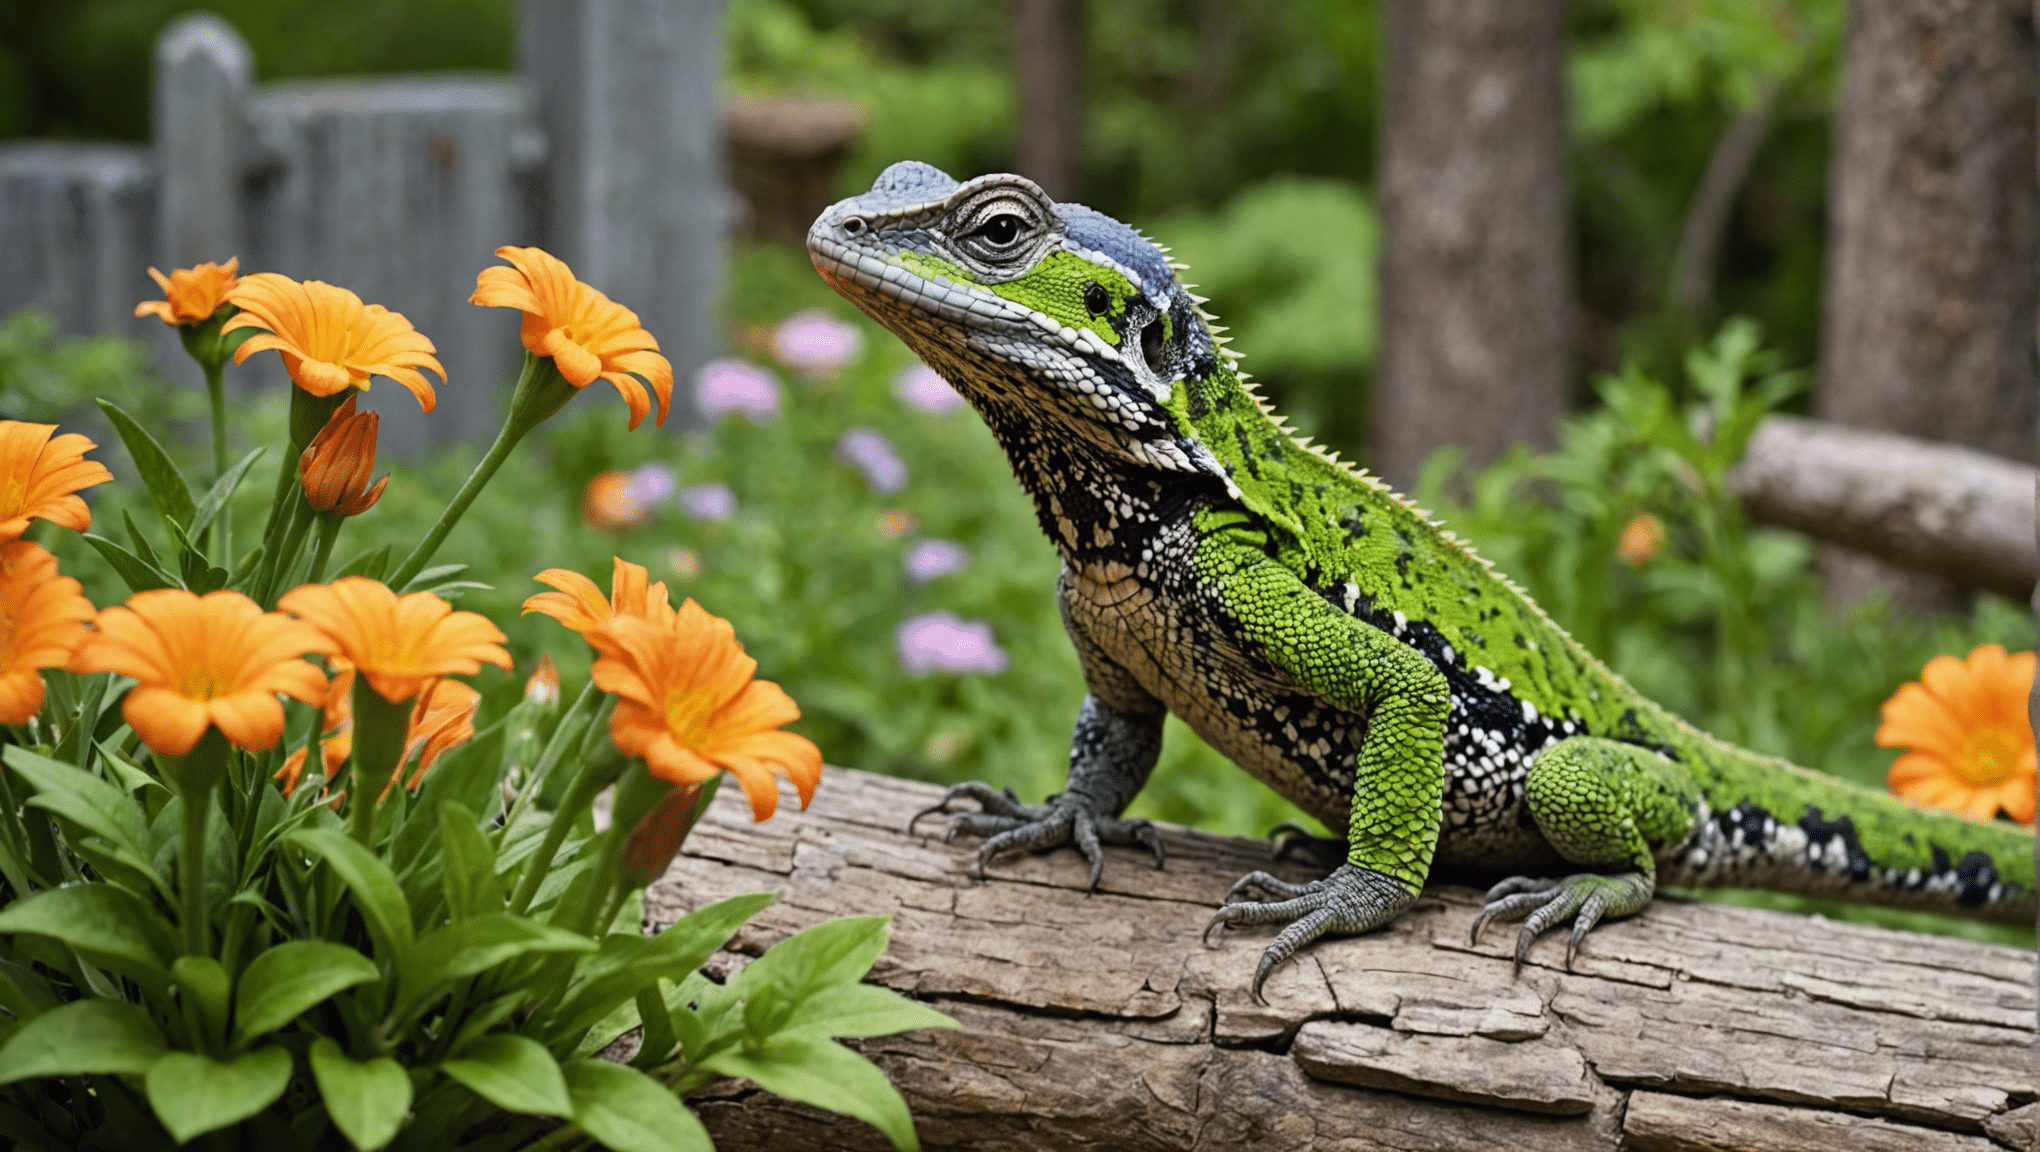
x=1399 y=771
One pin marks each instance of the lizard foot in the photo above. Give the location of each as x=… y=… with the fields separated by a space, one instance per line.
x=1542 y=902
x=1011 y=826
x=1350 y=900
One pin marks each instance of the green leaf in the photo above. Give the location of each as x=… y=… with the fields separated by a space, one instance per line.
x=109 y=925
x=375 y=888
x=629 y=964
x=367 y=1099
x=515 y=1073
x=106 y=1036
x=433 y=575
x=861 y=1010
x=222 y=490
x=372 y=564
x=137 y=574
x=194 y=1094
x=630 y=1112
x=167 y=488
x=474 y=946
x=826 y=1075
x=472 y=886
x=831 y=953
x=99 y=808
x=286 y=980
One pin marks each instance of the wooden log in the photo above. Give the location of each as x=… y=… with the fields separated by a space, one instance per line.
x=1102 y=1021
x=1943 y=509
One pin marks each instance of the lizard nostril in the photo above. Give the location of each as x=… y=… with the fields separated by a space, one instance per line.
x=854 y=226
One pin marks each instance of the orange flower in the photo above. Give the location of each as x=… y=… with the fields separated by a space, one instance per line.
x=329 y=339
x=687 y=705
x=442 y=718
x=1641 y=539
x=191 y=295
x=1969 y=745
x=40 y=477
x=213 y=660
x=338 y=726
x=609 y=503
x=336 y=465
x=42 y=619
x=579 y=604
x=586 y=334
x=398 y=643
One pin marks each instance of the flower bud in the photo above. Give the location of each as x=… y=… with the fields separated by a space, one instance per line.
x=335 y=467
x=657 y=837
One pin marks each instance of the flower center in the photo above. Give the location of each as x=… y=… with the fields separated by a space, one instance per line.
x=199 y=682
x=1987 y=756
x=687 y=714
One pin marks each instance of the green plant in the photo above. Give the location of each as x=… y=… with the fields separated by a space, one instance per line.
x=189 y=951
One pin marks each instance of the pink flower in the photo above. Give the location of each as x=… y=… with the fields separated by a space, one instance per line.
x=815 y=342
x=932 y=558
x=653 y=484
x=711 y=502
x=871 y=453
x=945 y=642
x=726 y=386
x=919 y=387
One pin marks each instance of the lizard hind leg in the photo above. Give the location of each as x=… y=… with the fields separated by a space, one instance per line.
x=1607 y=806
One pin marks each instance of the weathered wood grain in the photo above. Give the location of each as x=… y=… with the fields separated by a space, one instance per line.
x=1102 y=1022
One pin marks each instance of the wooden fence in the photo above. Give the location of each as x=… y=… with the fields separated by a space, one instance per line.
x=605 y=150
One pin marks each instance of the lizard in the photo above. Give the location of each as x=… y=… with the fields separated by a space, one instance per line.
x=1319 y=629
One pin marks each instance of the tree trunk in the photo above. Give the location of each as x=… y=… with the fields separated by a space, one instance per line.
x=1928 y=317
x=1476 y=284
x=1101 y=1021
x=1048 y=64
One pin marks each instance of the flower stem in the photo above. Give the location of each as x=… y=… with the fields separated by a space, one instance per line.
x=541 y=391
x=195 y=775
x=380 y=730
x=216 y=388
x=322 y=549
x=285 y=558
x=596 y=774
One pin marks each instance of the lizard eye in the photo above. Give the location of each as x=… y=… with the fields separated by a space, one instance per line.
x=1096 y=299
x=1001 y=230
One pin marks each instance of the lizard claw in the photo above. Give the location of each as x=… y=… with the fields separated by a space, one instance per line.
x=1542 y=902
x=1009 y=825
x=1351 y=899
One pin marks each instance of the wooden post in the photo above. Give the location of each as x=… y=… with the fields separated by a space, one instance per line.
x=628 y=92
x=74 y=233
x=1476 y=274
x=1048 y=67
x=1933 y=232
x=203 y=68
x=401 y=190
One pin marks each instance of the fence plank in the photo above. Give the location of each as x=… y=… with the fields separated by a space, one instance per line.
x=75 y=232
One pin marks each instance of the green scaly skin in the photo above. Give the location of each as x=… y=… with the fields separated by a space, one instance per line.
x=1317 y=628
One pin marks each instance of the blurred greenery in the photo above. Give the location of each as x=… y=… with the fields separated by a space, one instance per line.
x=1212 y=125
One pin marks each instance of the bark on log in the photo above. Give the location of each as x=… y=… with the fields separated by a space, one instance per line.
x=1942 y=509
x=1102 y=1022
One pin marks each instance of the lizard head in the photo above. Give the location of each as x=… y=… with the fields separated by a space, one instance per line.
x=1055 y=321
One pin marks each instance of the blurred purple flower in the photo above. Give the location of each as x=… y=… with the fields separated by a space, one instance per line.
x=945 y=642
x=653 y=484
x=932 y=558
x=711 y=502
x=868 y=451
x=732 y=385
x=815 y=342
x=920 y=387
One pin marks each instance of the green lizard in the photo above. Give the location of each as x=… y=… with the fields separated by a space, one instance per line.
x=1319 y=629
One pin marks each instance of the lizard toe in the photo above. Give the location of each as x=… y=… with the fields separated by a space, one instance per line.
x=1543 y=903
x=1350 y=900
